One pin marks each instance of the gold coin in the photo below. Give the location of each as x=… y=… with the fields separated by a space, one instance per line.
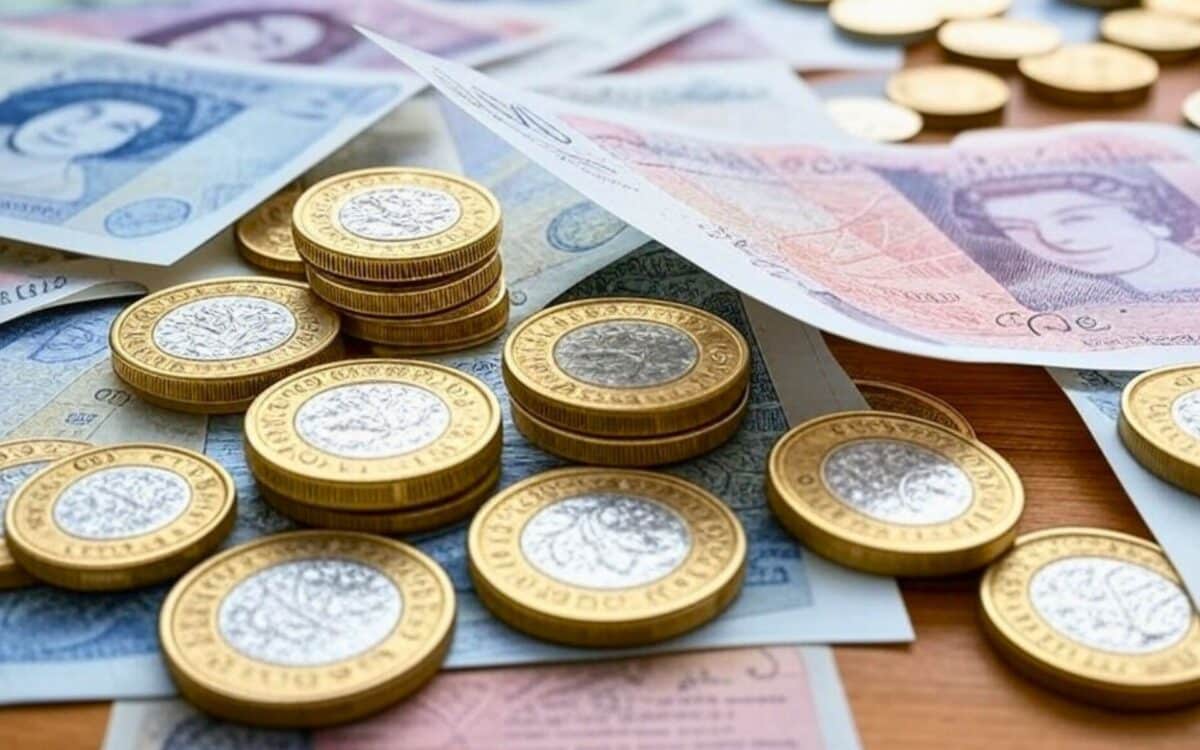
x=1163 y=36
x=874 y=119
x=606 y=557
x=1186 y=8
x=264 y=236
x=1096 y=614
x=409 y=521
x=622 y=367
x=407 y=300
x=373 y=434
x=998 y=42
x=902 y=399
x=212 y=346
x=1090 y=74
x=957 y=10
x=886 y=20
x=1160 y=423
x=307 y=628
x=1191 y=109
x=396 y=224
x=486 y=314
x=950 y=96
x=20 y=460
x=120 y=517
x=893 y=494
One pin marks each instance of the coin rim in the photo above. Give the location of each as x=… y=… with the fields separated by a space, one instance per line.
x=407 y=301
x=253 y=252
x=1062 y=91
x=1163 y=52
x=961 y=424
x=1157 y=456
x=937 y=114
x=969 y=53
x=468 y=321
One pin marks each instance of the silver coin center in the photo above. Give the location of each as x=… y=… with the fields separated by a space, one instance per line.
x=310 y=612
x=121 y=502
x=404 y=213
x=1186 y=413
x=224 y=328
x=897 y=482
x=11 y=480
x=606 y=540
x=1111 y=605
x=372 y=420
x=626 y=354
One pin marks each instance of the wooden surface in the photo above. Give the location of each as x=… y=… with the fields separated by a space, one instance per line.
x=947 y=690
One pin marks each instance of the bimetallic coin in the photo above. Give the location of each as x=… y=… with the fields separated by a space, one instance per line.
x=1160 y=423
x=1187 y=8
x=486 y=314
x=1191 y=109
x=902 y=399
x=624 y=367
x=307 y=628
x=1163 y=36
x=950 y=96
x=1096 y=614
x=264 y=236
x=396 y=224
x=885 y=20
x=20 y=460
x=120 y=517
x=408 y=300
x=212 y=346
x=373 y=434
x=874 y=119
x=606 y=557
x=998 y=42
x=893 y=494
x=954 y=10
x=1090 y=74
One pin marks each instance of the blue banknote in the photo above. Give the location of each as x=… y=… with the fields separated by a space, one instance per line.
x=133 y=153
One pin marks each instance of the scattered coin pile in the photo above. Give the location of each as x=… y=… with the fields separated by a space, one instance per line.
x=410 y=257
x=626 y=382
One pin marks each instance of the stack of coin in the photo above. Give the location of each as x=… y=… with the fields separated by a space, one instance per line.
x=375 y=445
x=894 y=494
x=626 y=382
x=409 y=256
x=307 y=628
x=1160 y=423
x=212 y=346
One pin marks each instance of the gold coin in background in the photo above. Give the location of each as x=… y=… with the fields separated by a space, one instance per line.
x=886 y=20
x=950 y=96
x=120 y=516
x=1186 y=8
x=264 y=236
x=894 y=495
x=1191 y=109
x=903 y=399
x=998 y=42
x=20 y=460
x=1096 y=614
x=1160 y=423
x=606 y=557
x=1163 y=36
x=307 y=628
x=874 y=119
x=1090 y=74
x=954 y=10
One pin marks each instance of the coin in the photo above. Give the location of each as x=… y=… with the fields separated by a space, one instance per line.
x=893 y=494
x=1186 y=8
x=998 y=42
x=885 y=20
x=120 y=517
x=307 y=628
x=211 y=346
x=623 y=367
x=373 y=434
x=1160 y=423
x=264 y=236
x=486 y=314
x=408 y=300
x=950 y=96
x=20 y=460
x=408 y=521
x=625 y=451
x=1090 y=74
x=1096 y=614
x=1163 y=36
x=606 y=557
x=953 y=10
x=396 y=224
x=1191 y=109
x=874 y=119
x=902 y=399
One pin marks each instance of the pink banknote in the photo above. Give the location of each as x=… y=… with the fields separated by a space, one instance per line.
x=726 y=39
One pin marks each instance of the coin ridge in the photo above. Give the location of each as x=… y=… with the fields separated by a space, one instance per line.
x=252 y=250
x=1152 y=448
x=483 y=314
x=405 y=301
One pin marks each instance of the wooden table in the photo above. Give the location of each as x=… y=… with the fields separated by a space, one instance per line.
x=949 y=689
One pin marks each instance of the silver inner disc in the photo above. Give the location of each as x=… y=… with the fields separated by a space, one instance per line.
x=626 y=354
x=372 y=420
x=121 y=502
x=405 y=213
x=1186 y=413
x=224 y=328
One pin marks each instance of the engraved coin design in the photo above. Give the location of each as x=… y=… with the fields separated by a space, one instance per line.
x=897 y=482
x=224 y=328
x=1186 y=412
x=1110 y=604
x=310 y=612
x=624 y=353
x=264 y=236
x=1159 y=422
x=11 y=479
x=121 y=502
x=606 y=541
x=399 y=213
x=372 y=420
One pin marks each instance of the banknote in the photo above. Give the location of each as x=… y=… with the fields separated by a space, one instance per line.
x=1172 y=514
x=1062 y=247
x=1078 y=22
x=744 y=698
x=133 y=153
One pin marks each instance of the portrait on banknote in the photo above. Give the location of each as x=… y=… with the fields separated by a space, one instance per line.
x=289 y=35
